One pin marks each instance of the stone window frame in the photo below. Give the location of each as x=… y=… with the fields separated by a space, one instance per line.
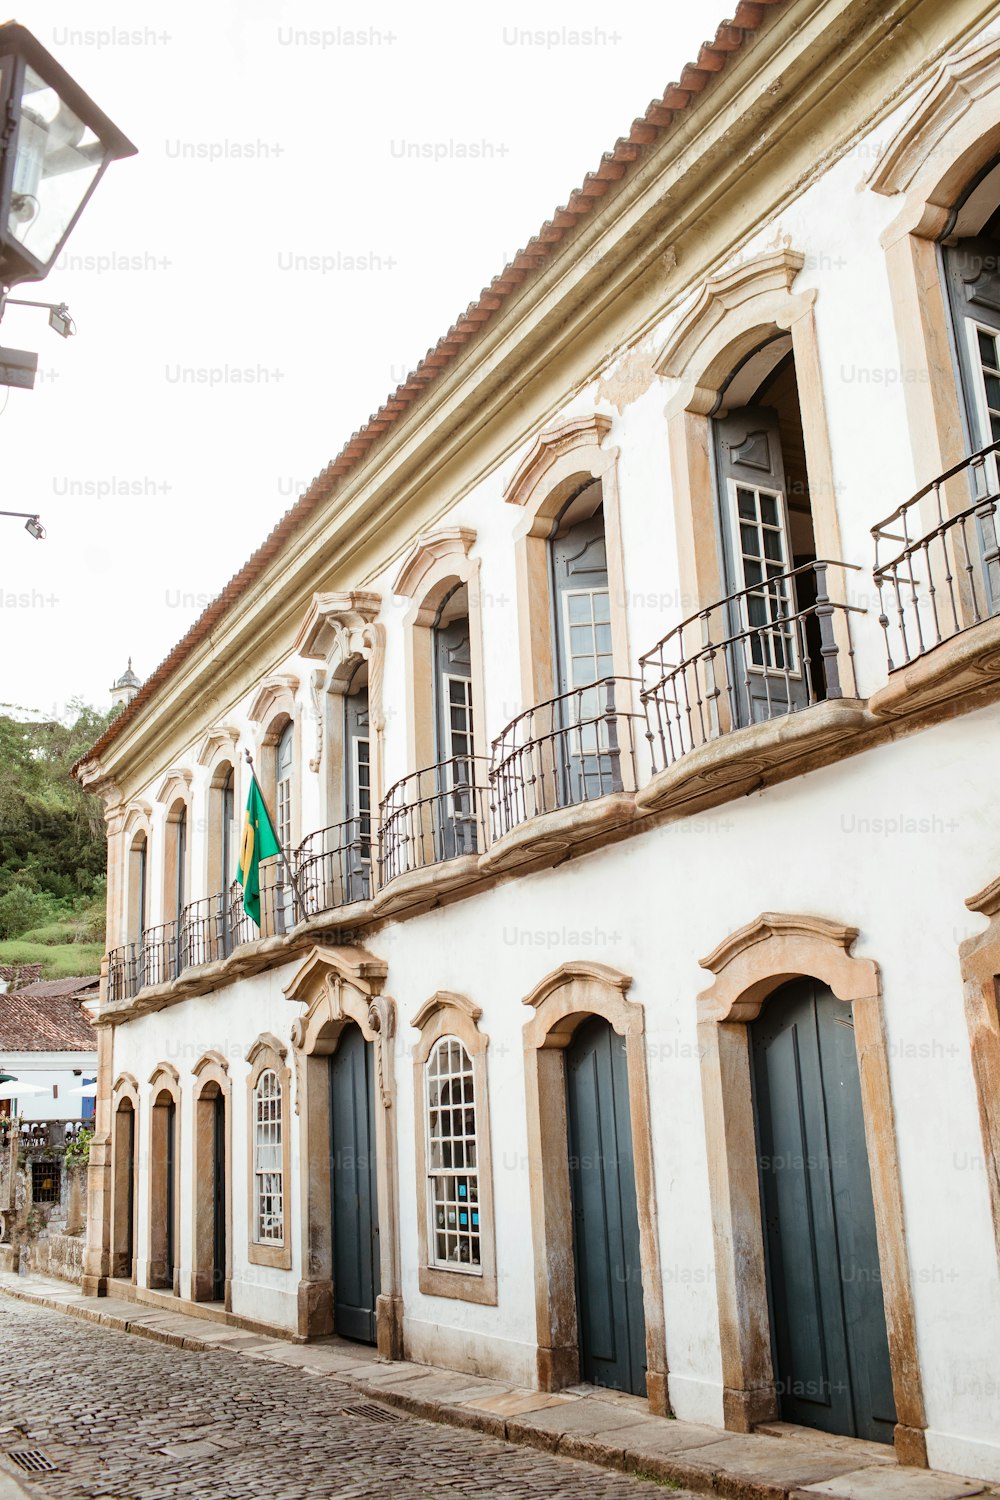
x=447 y=1014
x=268 y=1054
x=210 y=1072
x=275 y=705
x=437 y=561
x=163 y=1081
x=561 y=458
x=949 y=137
x=217 y=752
x=734 y=312
x=174 y=795
x=979 y=958
x=562 y=1002
x=341 y=631
x=125 y=1091
x=338 y=986
x=749 y=965
x=137 y=821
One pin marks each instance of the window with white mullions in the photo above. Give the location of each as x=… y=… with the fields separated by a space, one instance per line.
x=587 y=632
x=362 y=788
x=458 y=691
x=768 y=604
x=268 y=1217
x=452 y=1158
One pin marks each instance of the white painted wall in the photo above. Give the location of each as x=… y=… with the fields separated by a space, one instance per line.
x=891 y=841
x=56 y=1072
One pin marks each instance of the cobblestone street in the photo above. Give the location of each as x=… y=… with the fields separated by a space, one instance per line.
x=122 y=1418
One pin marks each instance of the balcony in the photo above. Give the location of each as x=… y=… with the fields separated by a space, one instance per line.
x=937 y=568
x=575 y=750
x=432 y=817
x=726 y=690
x=335 y=866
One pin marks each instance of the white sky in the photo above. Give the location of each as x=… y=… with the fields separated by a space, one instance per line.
x=203 y=472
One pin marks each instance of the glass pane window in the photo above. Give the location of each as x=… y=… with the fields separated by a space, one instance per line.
x=589 y=660
x=988 y=361
x=769 y=601
x=269 y=1211
x=362 y=810
x=459 y=728
x=452 y=1158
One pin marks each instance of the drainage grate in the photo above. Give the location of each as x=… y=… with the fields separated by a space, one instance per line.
x=369 y=1412
x=31 y=1460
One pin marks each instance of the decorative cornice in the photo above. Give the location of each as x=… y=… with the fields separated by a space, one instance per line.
x=267 y=1042
x=331 y=614
x=220 y=737
x=349 y=965
x=270 y=693
x=427 y=550
x=958 y=86
x=573 y=970
x=165 y=1071
x=772 y=924
x=445 y=1000
x=579 y=432
x=771 y=272
x=176 y=783
x=210 y=1060
x=987 y=900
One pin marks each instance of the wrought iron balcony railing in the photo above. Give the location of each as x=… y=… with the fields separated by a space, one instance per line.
x=575 y=748
x=160 y=949
x=335 y=866
x=434 y=814
x=942 y=574
x=758 y=654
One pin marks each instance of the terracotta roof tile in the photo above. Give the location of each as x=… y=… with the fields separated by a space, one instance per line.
x=35 y=1022
x=713 y=56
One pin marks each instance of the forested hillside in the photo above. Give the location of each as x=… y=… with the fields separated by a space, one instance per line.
x=52 y=849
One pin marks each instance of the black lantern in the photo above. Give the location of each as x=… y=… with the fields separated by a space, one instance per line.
x=56 y=145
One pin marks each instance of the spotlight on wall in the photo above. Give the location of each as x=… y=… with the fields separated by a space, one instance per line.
x=35 y=528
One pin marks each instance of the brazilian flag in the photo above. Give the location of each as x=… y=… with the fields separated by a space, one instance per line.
x=259 y=842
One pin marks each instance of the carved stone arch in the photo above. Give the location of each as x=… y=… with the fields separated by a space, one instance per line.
x=337 y=987
x=274 y=697
x=749 y=965
x=124 y=1143
x=439 y=563
x=175 y=786
x=947 y=140
x=561 y=462
x=745 y=315
x=221 y=740
x=212 y=1084
x=561 y=1002
x=129 y=869
x=455 y=1016
x=164 y=1117
x=340 y=630
x=980 y=960
x=136 y=819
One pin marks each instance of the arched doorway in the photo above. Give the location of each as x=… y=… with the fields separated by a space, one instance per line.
x=612 y=1327
x=824 y=1283
x=123 y=1248
x=353 y=1187
x=163 y=1205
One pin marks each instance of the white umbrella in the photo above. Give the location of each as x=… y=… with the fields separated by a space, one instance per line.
x=86 y=1091
x=15 y=1090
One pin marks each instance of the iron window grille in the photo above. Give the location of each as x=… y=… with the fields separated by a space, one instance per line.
x=45 y=1182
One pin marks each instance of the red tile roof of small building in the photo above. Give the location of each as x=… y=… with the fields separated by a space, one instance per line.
x=660 y=115
x=48 y=1017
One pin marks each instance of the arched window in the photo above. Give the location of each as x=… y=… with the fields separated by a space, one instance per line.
x=283 y=786
x=138 y=906
x=452 y=1158
x=268 y=1161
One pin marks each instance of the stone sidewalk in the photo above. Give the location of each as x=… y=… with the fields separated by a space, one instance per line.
x=603 y=1427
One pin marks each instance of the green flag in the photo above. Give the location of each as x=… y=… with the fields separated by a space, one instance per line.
x=259 y=842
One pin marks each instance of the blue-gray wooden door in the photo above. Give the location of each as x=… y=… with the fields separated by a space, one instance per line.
x=353 y=1190
x=358 y=789
x=612 y=1328
x=825 y=1291
x=581 y=604
x=767 y=661
x=455 y=813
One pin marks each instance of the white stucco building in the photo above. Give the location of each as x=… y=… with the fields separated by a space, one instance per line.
x=626 y=697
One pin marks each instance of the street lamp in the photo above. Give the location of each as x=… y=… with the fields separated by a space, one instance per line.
x=56 y=145
x=31 y=522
